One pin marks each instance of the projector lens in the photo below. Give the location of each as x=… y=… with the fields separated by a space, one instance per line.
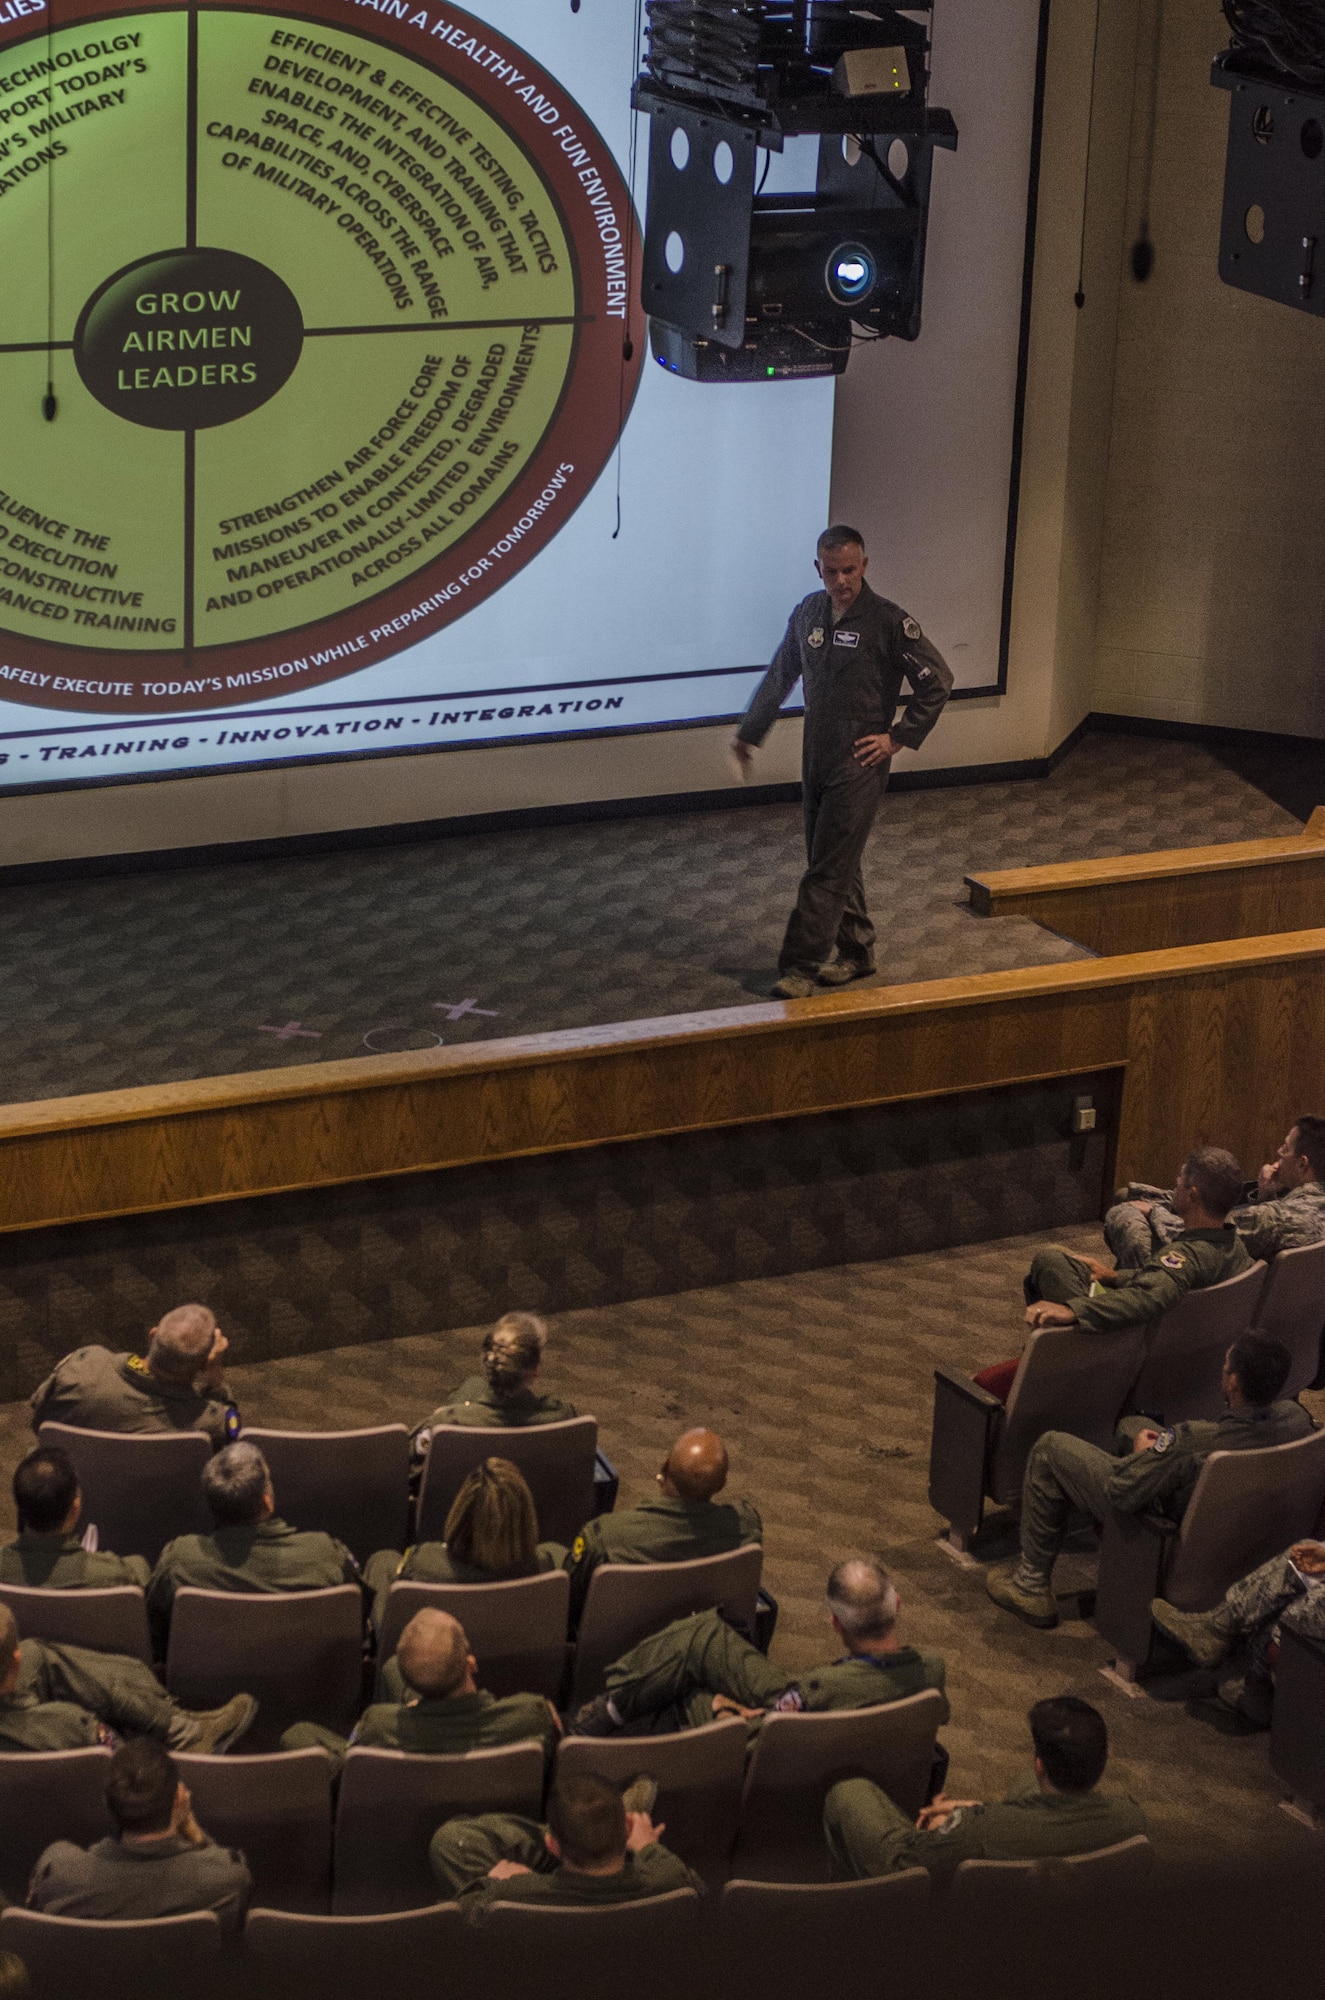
x=851 y=274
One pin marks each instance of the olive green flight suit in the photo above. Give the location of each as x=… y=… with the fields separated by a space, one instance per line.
x=462 y=1852
x=868 y=1835
x=476 y=1405
x=60 y=1562
x=114 y=1879
x=662 y=1529
x=669 y=1680
x=100 y=1391
x=432 y=1562
x=445 y=1726
x=69 y=1696
x=264 y=1556
x=1267 y=1224
x=1197 y=1258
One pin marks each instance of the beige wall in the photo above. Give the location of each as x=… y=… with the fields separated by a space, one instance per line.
x=1214 y=548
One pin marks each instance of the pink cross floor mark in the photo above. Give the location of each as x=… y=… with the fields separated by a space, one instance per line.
x=455 y=1010
x=290 y=1030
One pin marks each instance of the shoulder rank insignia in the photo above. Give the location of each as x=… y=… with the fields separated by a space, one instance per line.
x=911 y=629
x=1173 y=1260
x=138 y=1365
x=577 y=1548
x=815 y=636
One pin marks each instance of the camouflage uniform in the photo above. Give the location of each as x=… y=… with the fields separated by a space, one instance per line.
x=68 y=1697
x=852 y=669
x=100 y=1391
x=432 y=1562
x=169 y=1878
x=1197 y=1258
x=462 y=1852
x=1267 y=1224
x=663 y=1529
x=476 y=1405
x=867 y=1835
x=442 y=1726
x=669 y=1680
x=1064 y=1472
x=60 y=1562
x=265 y=1556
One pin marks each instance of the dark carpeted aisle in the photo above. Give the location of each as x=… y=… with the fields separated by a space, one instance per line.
x=822 y=1385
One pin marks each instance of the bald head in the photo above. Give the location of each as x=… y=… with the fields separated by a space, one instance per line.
x=696 y=1466
x=434 y=1654
x=181 y=1343
x=863 y=1599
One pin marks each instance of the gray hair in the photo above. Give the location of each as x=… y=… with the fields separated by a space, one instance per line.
x=863 y=1598
x=182 y=1341
x=234 y=1485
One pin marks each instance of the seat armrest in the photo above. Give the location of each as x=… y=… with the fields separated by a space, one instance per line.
x=766 y=1618
x=965 y=1386
x=966 y=1421
x=606 y=1481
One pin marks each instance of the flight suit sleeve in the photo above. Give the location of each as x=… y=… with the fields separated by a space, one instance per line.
x=1149 y=1292
x=586 y=1553
x=41 y=1397
x=774 y=688
x=1147 y=1478
x=929 y=677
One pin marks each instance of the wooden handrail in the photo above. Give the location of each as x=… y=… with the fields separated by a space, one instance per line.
x=997 y=884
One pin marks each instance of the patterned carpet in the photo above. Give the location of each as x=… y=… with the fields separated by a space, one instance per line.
x=159 y=977
x=822 y=1384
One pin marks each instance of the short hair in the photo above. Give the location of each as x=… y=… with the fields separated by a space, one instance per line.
x=432 y=1653
x=1215 y=1177
x=234 y=1485
x=1261 y=1366
x=1071 y=1742
x=840 y=537
x=181 y=1342
x=140 y=1791
x=588 y=1817
x=45 y=1488
x=863 y=1598
x=1311 y=1142
x=512 y=1350
x=493 y=1523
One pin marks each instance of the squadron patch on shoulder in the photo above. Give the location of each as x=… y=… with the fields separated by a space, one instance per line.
x=815 y=636
x=1173 y=1260
x=1163 y=1441
x=577 y=1548
x=911 y=629
x=232 y=1424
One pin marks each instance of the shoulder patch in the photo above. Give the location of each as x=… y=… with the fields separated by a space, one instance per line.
x=138 y=1365
x=911 y=629
x=577 y=1548
x=1164 y=1441
x=1173 y=1260
x=231 y=1423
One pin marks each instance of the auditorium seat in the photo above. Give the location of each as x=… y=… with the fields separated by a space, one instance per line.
x=48 y=1795
x=516 y=1630
x=779 y=1937
x=1297 y=1732
x=700 y=1774
x=140 y=1489
x=1292 y=1309
x=421 y=1952
x=113 y=1620
x=1247 y=1506
x=625 y=1602
x=1185 y=1349
x=1066 y=1381
x=391 y=1802
x=557 y=1461
x=350 y=1484
x=156 y=1958
x=277 y=1810
x=795 y=1760
x=300 y=1653
x=646 y=1949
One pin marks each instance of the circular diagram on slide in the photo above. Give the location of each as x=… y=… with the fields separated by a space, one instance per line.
x=333 y=307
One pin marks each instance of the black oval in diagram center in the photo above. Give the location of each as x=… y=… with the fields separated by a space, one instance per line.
x=188 y=339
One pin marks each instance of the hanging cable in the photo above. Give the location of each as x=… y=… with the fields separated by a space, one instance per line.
x=1079 y=297
x=627 y=344
x=1143 y=250
x=48 y=402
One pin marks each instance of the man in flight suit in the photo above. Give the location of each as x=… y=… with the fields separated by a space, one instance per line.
x=179 y=1385
x=852 y=650
x=1286 y=1211
x=48 y=1553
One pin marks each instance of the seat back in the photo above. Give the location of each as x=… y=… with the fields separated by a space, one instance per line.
x=1292 y=1309
x=1247 y=1507
x=556 y=1460
x=109 y=1621
x=300 y=1652
x=625 y=1602
x=516 y=1630
x=350 y=1484
x=700 y=1773
x=1179 y=1378
x=797 y=1758
x=48 y=1795
x=782 y=1935
x=1066 y=1381
x=141 y=1489
x=308 y=1958
x=646 y=1948
x=391 y=1803
x=153 y=1958
x=1297 y=1741
x=1108 y=1872
x=277 y=1810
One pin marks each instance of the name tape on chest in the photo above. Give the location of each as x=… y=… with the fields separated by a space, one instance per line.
x=845 y=638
